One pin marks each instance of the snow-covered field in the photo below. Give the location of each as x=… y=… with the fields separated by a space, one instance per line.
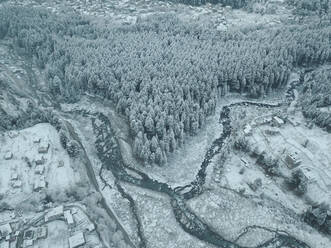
x=229 y=214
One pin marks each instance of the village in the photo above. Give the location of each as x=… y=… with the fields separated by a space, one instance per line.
x=37 y=230
x=279 y=155
x=30 y=168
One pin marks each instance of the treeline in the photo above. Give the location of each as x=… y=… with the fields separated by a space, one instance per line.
x=319 y=216
x=316 y=95
x=308 y=7
x=164 y=75
x=236 y=4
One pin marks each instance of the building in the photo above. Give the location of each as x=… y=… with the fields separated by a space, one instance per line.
x=262 y=120
x=278 y=122
x=5 y=230
x=305 y=143
x=69 y=218
x=40 y=161
x=39 y=169
x=39 y=184
x=27 y=243
x=76 y=240
x=54 y=213
x=90 y=227
x=43 y=148
x=13 y=134
x=8 y=156
x=16 y=184
x=60 y=164
x=28 y=234
x=292 y=160
x=271 y=131
x=36 y=140
x=248 y=130
x=14 y=176
x=244 y=162
x=41 y=232
x=293 y=122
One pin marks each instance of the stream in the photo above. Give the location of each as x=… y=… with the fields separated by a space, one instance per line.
x=109 y=154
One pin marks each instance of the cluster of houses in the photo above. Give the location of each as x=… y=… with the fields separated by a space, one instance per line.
x=275 y=121
x=77 y=228
x=30 y=236
x=292 y=157
x=38 y=164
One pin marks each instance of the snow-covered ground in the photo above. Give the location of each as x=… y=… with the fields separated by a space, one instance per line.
x=229 y=214
x=162 y=231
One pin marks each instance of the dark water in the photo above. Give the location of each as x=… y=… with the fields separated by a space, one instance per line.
x=112 y=159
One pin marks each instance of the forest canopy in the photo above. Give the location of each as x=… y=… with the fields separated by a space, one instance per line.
x=316 y=97
x=163 y=74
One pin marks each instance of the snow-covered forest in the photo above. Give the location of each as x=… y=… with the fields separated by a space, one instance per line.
x=316 y=98
x=164 y=75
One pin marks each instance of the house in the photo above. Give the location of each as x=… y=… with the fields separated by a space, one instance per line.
x=244 y=161
x=248 y=130
x=41 y=232
x=292 y=160
x=36 y=140
x=8 y=156
x=39 y=184
x=262 y=120
x=60 y=164
x=40 y=161
x=54 y=213
x=305 y=143
x=90 y=227
x=17 y=184
x=5 y=229
x=69 y=218
x=278 y=122
x=293 y=122
x=76 y=240
x=14 y=176
x=43 y=148
x=228 y=8
x=266 y=120
x=4 y=244
x=28 y=234
x=39 y=169
x=271 y=131
x=27 y=243
x=13 y=134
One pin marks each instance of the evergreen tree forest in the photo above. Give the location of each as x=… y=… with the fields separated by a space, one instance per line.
x=236 y=4
x=316 y=98
x=164 y=75
x=309 y=7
